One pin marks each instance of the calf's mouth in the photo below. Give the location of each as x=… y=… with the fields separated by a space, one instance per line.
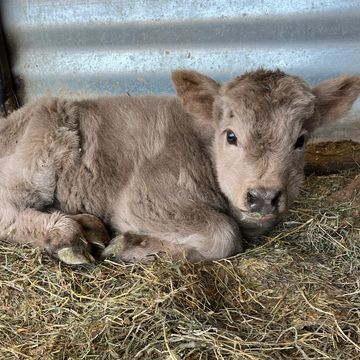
x=254 y=224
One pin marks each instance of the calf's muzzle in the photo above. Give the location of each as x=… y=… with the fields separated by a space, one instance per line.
x=263 y=201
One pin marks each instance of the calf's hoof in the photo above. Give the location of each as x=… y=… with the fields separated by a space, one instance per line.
x=131 y=247
x=73 y=256
x=94 y=232
x=87 y=245
x=114 y=249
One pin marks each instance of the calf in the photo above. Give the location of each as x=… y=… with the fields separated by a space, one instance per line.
x=186 y=175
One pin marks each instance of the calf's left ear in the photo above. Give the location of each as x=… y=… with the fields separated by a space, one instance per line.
x=333 y=99
x=197 y=92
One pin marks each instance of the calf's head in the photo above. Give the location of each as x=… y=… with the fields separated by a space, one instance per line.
x=260 y=123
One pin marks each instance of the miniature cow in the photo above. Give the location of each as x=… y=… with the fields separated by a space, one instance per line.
x=186 y=175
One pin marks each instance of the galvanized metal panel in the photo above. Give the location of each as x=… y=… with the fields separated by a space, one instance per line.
x=92 y=47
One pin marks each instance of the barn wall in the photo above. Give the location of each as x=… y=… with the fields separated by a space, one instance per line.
x=92 y=47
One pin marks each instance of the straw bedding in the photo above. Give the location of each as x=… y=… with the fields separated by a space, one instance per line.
x=294 y=294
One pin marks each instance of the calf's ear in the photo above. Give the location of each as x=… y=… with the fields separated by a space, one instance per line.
x=333 y=99
x=197 y=92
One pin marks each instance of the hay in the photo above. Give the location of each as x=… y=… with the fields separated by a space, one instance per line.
x=293 y=295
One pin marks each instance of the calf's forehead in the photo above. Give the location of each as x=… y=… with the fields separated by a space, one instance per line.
x=268 y=98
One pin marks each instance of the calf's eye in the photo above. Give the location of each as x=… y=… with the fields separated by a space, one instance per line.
x=300 y=142
x=231 y=137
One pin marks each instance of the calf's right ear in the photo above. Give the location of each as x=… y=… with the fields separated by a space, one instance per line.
x=197 y=92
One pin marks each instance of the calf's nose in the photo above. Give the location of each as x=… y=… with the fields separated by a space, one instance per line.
x=263 y=201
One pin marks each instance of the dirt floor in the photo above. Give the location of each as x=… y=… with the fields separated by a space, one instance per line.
x=294 y=294
x=330 y=157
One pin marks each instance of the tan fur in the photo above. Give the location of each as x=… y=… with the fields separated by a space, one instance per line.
x=157 y=170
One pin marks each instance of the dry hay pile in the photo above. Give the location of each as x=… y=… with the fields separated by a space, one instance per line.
x=293 y=295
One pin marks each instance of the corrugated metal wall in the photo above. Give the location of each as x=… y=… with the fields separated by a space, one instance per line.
x=90 y=47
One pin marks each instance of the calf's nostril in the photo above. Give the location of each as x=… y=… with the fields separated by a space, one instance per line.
x=251 y=198
x=276 y=198
x=255 y=201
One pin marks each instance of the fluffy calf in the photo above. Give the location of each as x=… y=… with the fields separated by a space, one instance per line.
x=183 y=175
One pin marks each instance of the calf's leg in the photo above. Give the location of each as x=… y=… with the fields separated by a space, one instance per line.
x=71 y=238
x=132 y=247
x=216 y=238
x=36 y=145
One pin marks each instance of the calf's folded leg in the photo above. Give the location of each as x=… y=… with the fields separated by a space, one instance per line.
x=131 y=247
x=70 y=238
x=38 y=145
x=216 y=238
